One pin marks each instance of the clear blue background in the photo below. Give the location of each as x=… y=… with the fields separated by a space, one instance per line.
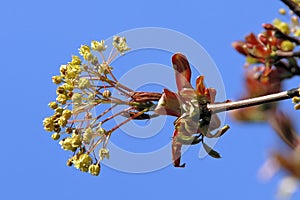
x=37 y=36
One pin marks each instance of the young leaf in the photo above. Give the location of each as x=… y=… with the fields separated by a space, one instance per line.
x=182 y=71
x=210 y=151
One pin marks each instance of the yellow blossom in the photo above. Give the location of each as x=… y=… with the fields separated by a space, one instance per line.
x=53 y=105
x=67 y=114
x=103 y=153
x=48 y=124
x=55 y=136
x=94 y=169
x=57 y=79
x=84 y=49
x=98 y=46
x=120 y=44
x=61 y=99
x=82 y=162
x=75 y=60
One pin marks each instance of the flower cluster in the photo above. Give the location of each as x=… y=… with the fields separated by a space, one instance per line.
x=264 y=48
x=82 y=84
x=272 y=55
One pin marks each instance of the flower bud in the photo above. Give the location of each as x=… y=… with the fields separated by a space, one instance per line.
x=282 y=11
x=53 y=105
x=67 y=114
x=56 y=79
x=88 y=56
x=55 y=136
x=75 y=60
x=94 y=169
x=83 y=83
x=62 y=99
x=106 y=94
x=287 y=46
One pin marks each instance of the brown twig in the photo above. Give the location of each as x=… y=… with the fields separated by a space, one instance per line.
x=221 y=107
x=287 y=54
x=293 y=6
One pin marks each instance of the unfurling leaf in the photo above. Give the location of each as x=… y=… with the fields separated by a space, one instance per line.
x=182 y=71
x=210 y=151
x=188 y=140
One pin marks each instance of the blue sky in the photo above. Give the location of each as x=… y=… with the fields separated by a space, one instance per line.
x=36 y=37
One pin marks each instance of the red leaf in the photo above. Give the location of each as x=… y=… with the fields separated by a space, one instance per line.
x=168 y=104
x=251 y=39
x=182 y=71
x=176 y=151
x=200 y=87
x=240 y=47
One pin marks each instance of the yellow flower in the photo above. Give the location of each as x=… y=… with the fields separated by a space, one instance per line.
x=82 y=162
x=77 y=99
x=75 y=60
x=94 y=169
x=76 y=140
x=88 y=56
x=48 y=124
x=98 y=46
x=53 y=105
x=55 y=136
x=88 y=135
x=67 y=114
x=62 y=121
x=120 y=44
x=66 y=144
x=68 y=87
x=83 y=83
x=56 y=79
x=61 y=98
x=103 y=153
x=84 y=49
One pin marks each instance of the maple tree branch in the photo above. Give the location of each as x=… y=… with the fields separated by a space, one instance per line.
x=221 y=107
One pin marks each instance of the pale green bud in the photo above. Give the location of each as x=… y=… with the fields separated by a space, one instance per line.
x=287 y=46
x=77 y=98
x=103 y=153
x=120 y=44
x=83 y=83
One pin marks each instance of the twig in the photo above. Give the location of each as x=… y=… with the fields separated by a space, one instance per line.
x=221 y=107
x=293 y=6
x=287 y=54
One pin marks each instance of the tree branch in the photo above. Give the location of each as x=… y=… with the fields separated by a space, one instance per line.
x=293 y=6
x=221 y=107
x=287 y=54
